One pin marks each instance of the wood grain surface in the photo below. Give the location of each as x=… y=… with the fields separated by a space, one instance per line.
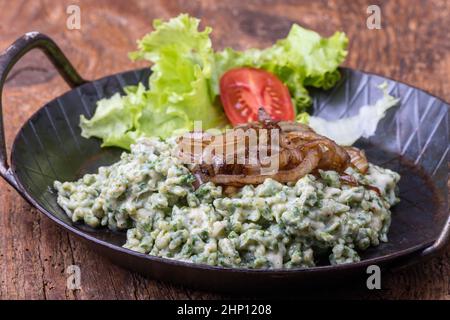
x=413 y=46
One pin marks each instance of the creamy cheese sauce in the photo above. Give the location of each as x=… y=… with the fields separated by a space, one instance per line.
x=149 y=194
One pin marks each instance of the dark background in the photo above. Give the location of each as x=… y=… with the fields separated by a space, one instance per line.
x=413 y=46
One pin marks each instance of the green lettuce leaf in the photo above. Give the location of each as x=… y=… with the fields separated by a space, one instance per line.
x=178 y=94
x=115 y=118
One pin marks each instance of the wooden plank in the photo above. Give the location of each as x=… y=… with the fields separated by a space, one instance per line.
x=413 y=46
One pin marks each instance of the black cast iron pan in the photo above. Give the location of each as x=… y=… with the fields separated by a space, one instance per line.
x=412 y=139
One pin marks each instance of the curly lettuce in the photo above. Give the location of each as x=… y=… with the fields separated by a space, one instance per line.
x=179 y=89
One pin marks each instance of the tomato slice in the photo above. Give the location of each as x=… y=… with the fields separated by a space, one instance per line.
x=244 y=90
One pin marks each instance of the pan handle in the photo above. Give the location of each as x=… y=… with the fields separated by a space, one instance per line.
x=8 y=59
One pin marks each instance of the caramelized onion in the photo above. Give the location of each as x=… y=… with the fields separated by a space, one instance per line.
x=358 y=159
x=236 y=159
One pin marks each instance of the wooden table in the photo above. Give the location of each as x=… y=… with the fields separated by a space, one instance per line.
x=413 y=46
